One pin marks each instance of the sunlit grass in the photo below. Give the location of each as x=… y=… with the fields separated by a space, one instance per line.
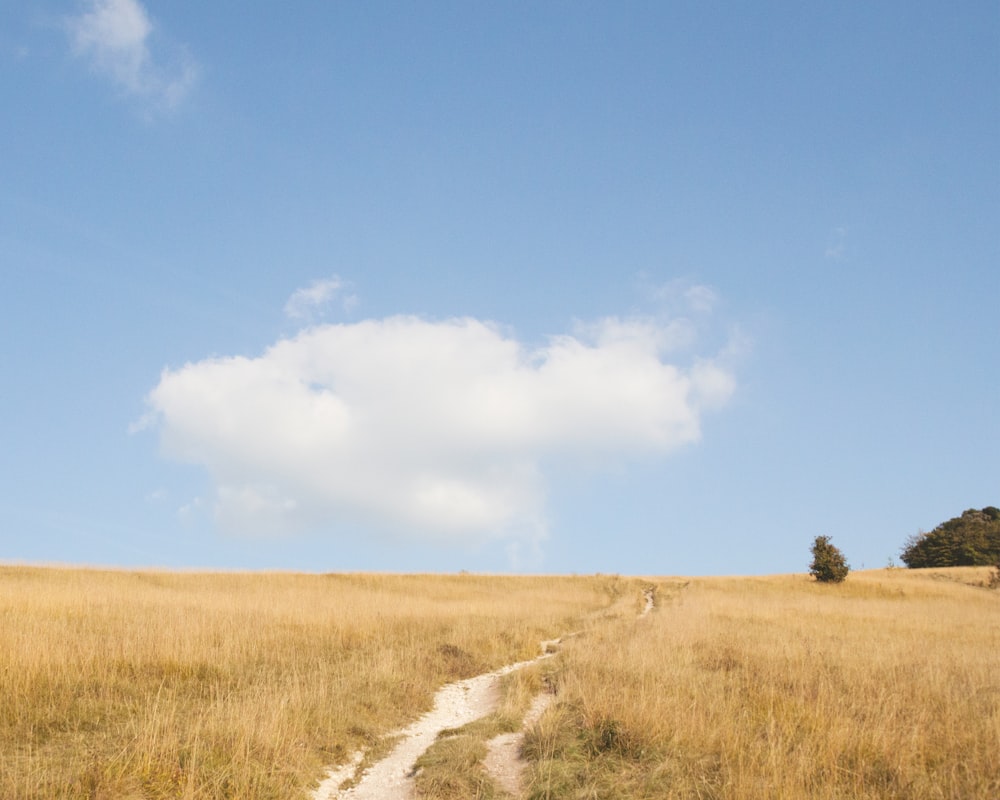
x=887 y=686
x=162 y=685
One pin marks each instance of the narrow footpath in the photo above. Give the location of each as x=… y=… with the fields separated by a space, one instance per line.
x=455 y=705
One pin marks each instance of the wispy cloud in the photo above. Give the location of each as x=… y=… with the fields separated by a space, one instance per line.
x=13 y=51
x=681 y=298
x=310 y=302
x=157 y=495
x=437 y=429
x=836 y=245
x=115 y=37
x=686 y=308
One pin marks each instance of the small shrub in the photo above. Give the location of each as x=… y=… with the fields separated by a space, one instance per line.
x=828 y=564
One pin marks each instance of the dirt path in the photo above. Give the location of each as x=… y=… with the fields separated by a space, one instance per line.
x=503 y=761
x=649 y=594
x=455 y=705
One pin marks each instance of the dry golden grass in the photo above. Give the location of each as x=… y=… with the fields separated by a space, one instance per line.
x=885 y=686
x=452 y=768
x=207 y=686
x=160 y=685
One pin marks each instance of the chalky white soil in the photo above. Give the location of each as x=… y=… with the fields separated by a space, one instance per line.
x=503 y=753
x=455 y=705
x=503 y=761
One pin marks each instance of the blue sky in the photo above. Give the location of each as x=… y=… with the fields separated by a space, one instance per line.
x=664 y=288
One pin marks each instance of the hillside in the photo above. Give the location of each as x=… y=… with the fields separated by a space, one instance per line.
x=157 y=685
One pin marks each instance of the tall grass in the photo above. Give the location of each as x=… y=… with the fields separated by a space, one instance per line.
x=208 y=686
x=159 y=685
x=887 y=686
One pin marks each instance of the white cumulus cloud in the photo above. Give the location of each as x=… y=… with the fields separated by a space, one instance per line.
x=428 y=428
x=114 y=36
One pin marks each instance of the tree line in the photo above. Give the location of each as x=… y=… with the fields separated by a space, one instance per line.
x=969 y=540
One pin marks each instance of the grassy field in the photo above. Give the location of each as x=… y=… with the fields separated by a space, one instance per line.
x=164 y=685
x=208 y=686
x=885 y=686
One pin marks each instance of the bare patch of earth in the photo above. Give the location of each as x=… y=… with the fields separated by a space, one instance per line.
x=455 y=705
x=503 y=761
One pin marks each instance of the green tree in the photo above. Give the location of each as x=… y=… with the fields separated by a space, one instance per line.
x=971 y=540
x=828 y=564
